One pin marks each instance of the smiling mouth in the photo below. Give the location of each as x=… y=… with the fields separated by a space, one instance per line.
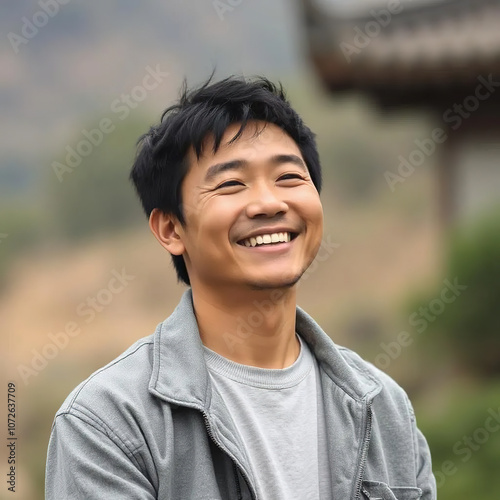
x=268 y=239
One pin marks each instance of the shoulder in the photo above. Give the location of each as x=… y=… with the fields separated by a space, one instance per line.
x=124 y=379
x=391 y=394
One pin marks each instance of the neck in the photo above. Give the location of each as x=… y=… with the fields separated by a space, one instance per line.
x=254 y=327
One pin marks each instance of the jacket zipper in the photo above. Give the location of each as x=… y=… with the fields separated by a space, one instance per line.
x=238 y=487
x=364 y=453
x=235 y=464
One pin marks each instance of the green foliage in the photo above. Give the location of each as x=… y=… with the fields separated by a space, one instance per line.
x=20 y=227
x=97 y=196
x=94 y=197
x=465 y=443
x=470 y=327
x=474 y=328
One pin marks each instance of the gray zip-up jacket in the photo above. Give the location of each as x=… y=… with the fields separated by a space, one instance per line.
x=149 y=425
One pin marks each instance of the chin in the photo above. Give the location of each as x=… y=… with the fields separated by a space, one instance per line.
x=277 y=283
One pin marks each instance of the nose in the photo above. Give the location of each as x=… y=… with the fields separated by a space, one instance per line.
x=265 y=203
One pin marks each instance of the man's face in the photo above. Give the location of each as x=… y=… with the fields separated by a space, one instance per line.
x=250 y=192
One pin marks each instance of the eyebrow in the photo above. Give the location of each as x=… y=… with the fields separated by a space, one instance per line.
x=214 y=170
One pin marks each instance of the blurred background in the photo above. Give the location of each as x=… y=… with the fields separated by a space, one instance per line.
x=404 y=97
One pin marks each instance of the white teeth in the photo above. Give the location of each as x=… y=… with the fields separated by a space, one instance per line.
x=267 y=238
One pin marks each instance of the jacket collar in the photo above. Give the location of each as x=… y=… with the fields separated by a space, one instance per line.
x=180 y=374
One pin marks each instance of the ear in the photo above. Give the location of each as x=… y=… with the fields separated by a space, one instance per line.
x=166 y=229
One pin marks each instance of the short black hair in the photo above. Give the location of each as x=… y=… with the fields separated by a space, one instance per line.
x=207 y=111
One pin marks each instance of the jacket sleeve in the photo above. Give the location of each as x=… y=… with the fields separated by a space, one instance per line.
x=425 y=477
x=87 y=461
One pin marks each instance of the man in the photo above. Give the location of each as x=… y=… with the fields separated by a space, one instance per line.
x=239 y=394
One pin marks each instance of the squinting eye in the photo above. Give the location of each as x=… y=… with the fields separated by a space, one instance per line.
x=290 y=176
x=230 y=184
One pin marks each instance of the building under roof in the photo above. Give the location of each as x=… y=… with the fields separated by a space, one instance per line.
x=439 y=55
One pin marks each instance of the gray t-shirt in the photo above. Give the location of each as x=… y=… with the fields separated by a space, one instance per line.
x=279 y=414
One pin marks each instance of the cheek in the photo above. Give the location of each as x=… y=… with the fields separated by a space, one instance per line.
x=308 y=204
x=214 y=224
x=312 y=213
x=317 y=210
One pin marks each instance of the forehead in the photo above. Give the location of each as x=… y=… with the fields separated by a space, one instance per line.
x=257 y=141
